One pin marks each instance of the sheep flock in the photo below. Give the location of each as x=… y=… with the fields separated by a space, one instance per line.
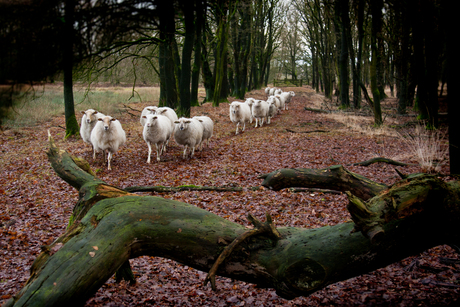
x=161 y=124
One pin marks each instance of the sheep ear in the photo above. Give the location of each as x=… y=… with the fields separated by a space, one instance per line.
x=143 y=116
x=95 y=112
x=162 y=111
x=177 y=122
x=113 y=119
x=82 y=112
x=200 y=120
x=99 y=119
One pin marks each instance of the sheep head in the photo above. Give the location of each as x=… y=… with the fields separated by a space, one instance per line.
x=150 y=120
x=89 y=115
x=183 y=123
x=107 y=120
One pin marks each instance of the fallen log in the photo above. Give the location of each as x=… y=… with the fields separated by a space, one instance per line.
x=110 y=226
x=316 y=110
x=334 y=178
x=381 y=160
x=163 y=189
x=311 y=131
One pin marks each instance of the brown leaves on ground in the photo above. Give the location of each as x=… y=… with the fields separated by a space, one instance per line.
x=36 y=205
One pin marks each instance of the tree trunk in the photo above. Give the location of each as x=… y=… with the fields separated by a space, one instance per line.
x=168 y=69
x=220 y=70
x=71 y=123
x=111 y=225
x=448 y=13
x=376 y=8
x=184 y=87
x=199 y=22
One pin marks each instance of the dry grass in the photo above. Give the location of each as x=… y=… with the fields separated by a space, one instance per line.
x=428 y=147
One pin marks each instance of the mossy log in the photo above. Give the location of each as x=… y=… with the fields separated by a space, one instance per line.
x=381 y=160
x=334 y=178
x=111 y=226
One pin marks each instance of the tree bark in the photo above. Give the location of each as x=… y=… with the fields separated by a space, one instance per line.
x=71 y=123
x=376 y=8
x=116 y=225
x=184 y=86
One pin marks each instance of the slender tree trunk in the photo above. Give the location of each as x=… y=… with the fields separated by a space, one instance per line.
x=220 y=70
x=71 y=122
x=376 y=8
x=208 y=77
x=344 y=52
x=187 y=49
x=199 y=22
x=167 y=58
x=453 y=79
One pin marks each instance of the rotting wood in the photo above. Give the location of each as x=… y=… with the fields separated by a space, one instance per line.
x=316 y=110
x=260 y=228
x=382 y=160
x=311 y=131
x=334 y=178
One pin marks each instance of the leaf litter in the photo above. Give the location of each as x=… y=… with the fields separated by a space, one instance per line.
x=36 y=205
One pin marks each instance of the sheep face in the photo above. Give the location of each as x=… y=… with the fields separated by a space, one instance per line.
x=107 y=120
x=182 y=123
x=89 y=115
x=151 y=122
x=235 y=108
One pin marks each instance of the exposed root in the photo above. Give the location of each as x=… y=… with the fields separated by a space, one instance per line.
x=259 y=228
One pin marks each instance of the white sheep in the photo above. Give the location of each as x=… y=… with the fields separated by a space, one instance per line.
x=282 y=102
x=272 y=109
x=157 y=130
x=278 y=91
x=240 y=113
x=146 y=111
x=169 y=113
x=250 y=102
x=208 y=128
x=88 y=121
x=275 y=100
x=267 y=90
x=272 y=91
x=260 y=111
x=285 y=98
x=188 y=132
x=107 y=135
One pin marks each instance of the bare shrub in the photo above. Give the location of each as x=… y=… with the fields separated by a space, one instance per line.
x=428 y=147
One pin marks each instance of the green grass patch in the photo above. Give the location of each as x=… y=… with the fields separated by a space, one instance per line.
x=40 y=104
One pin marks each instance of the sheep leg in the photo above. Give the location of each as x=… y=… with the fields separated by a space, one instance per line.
x=150 y=151
x=159 y=150
x=185 y=150
x=257 y=121
x=244 y=125
x=261 y=121
x=109 y=158
x=193 y=151
x=237 y=124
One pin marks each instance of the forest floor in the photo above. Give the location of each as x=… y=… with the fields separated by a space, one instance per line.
x=35 y=204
